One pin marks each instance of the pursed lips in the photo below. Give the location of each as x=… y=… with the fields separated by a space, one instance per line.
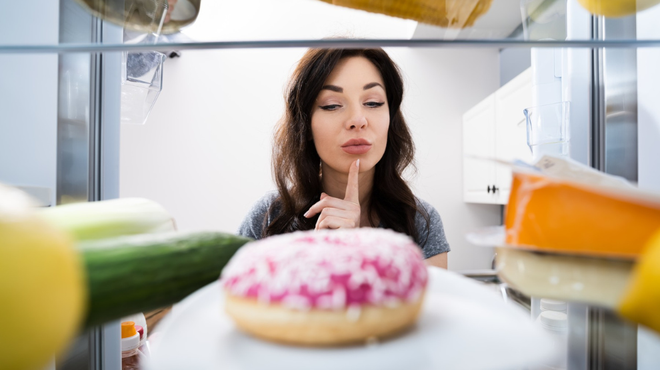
x=356 y=146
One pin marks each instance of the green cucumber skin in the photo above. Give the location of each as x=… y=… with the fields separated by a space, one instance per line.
x=140 y=273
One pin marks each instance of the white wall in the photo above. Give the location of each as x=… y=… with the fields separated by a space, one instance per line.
x=205 y=150
x=204 y=153
x=441 y=84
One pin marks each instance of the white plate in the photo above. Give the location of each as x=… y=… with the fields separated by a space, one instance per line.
x=463 y=325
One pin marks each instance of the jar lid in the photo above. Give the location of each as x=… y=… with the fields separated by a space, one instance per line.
x=130 y=339
x=130 y=343
x=552 y=305
x=553 y=320
x=128 y=329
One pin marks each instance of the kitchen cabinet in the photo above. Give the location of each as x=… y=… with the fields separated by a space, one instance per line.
x=479 y=143
x=495 y=129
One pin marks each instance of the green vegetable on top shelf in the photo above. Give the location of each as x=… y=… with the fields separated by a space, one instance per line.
x=110 y=218
x=143 y=272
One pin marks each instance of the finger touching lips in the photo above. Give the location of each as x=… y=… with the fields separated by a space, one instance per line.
x=352 y=186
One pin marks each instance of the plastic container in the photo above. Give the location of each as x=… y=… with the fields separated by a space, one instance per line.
x=553 y=305
x=142 y=82
x=145 y=16
x=553 y=321
x=556 y=324
x=130 y=342
x=548 y=130
x=144 y=344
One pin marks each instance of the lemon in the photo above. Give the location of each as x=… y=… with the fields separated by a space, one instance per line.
x=617 y=8
x=41 y=285
x=642 y=300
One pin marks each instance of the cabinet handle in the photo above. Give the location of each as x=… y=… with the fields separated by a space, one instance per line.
x=489 y=189
x=495 y=189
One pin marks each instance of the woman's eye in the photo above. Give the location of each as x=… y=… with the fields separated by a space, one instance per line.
x=330 y=107
x=373 y=104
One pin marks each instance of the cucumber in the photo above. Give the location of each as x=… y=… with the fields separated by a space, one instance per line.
x=143 y=272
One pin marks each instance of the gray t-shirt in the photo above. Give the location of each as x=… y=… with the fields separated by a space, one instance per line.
x=436 y=243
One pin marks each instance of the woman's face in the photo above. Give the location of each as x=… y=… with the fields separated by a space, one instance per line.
x=350 y=118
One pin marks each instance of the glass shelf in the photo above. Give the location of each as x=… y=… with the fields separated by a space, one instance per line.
x=253 y=24
x=335 y=43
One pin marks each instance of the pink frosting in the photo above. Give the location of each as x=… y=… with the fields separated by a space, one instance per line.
x=329 y=269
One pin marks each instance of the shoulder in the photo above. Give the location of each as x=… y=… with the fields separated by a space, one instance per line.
x=426 y=211
x=263 y=204
x=430 y=229
x=424 y=205
x=258 y=217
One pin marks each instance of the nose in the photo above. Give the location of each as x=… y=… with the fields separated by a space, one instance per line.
x=356 y=121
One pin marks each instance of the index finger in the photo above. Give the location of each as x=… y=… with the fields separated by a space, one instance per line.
x=352 y=188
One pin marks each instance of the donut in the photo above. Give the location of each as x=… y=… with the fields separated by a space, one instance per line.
x=326 y=288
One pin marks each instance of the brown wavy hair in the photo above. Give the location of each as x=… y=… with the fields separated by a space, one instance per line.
x=296 y=164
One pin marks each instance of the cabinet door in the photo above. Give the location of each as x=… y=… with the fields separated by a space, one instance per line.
x=510 y=129
x=479 y=142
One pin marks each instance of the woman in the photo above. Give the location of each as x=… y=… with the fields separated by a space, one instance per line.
x=340 y=151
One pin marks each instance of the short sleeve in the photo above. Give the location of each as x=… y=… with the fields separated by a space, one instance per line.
x=257 y=219
x=432 y=239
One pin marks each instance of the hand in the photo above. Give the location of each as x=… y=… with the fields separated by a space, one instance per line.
x=337 y=213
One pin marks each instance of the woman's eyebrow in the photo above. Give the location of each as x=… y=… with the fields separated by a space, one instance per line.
x=333 y=88
x=372 y=84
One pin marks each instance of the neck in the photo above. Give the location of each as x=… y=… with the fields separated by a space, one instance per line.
x=334 y=184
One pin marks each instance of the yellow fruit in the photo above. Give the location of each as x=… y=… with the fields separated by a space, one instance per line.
x=642 y=300
x=617 y=8
x=41 y=285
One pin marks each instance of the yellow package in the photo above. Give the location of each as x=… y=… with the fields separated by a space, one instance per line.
x=443 y=13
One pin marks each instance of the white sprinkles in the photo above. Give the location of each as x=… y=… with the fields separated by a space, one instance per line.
x=329 y=269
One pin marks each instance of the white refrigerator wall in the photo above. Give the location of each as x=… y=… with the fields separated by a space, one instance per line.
x=648 y=109
x=204 y=153
x=648 y=149
x=28 y=96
